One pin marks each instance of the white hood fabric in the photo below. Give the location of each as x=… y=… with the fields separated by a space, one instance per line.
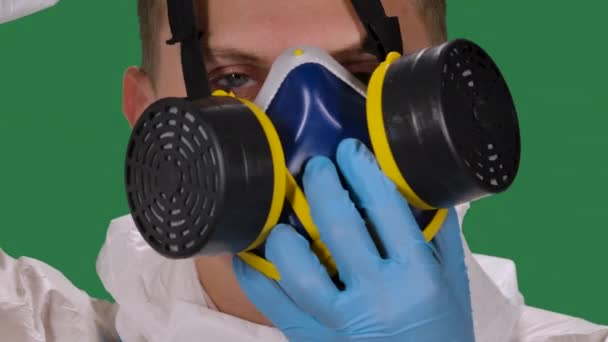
x=15 y=9
x=38 y=304
x=162 y=300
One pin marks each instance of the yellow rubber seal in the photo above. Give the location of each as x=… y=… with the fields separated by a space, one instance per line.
x=435 y=225
x=378 y=137
x=383 y=152
x=278 y=192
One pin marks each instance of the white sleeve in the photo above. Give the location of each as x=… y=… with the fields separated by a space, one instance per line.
x=538 y=325
x=14 y=9
x=37 y=303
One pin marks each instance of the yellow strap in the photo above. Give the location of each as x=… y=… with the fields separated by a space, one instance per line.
x=262 y=265
x=297 y=200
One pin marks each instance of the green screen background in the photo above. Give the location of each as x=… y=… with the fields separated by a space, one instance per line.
x=62 y=141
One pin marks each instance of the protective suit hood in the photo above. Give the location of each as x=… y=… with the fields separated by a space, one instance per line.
x=162 y=300
x=14 y=9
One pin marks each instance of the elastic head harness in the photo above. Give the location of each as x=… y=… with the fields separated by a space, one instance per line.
x=383 y=33
x=182 y=20
x=383 y=37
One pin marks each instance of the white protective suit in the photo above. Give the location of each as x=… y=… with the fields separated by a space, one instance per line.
x=14 y=9
x=161 y=300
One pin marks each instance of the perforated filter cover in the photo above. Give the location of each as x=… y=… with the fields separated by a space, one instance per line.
x=487 y=136
x=173 y=178
x=451 y=123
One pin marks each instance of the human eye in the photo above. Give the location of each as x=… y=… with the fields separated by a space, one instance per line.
x=241 y=81
x=233 y=81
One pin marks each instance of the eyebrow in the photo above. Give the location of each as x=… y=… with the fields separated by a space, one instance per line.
x=237 y=55
x=231 y=53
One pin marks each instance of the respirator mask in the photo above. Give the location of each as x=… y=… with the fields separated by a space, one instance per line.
x=213 y=173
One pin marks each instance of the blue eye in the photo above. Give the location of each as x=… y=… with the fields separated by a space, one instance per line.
x=233 y=81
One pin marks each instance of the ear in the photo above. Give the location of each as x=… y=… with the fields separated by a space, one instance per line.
x=137 y=93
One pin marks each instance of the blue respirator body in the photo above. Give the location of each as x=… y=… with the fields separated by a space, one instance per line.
x=314 y=103
x=214 y=173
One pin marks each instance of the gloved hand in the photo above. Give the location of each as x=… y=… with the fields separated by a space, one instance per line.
x=416 y=292
x=14 y=9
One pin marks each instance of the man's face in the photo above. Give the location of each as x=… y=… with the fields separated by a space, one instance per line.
x=242 y=39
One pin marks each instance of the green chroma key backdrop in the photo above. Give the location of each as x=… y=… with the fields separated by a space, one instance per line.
x=62 y=141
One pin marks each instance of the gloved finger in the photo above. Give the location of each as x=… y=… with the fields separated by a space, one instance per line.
x=340 y=226
x=386 y=209
x=448 y=243
x=268 y=297
x=303 y=277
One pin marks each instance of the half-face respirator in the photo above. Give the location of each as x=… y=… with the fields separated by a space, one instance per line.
x=213 y=173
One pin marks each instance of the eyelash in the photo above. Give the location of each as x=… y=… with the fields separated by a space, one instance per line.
x=222 y=73
x=362 y=70
x=231 y=78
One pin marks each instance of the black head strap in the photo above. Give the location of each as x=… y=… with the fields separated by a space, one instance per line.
x=383 y=33
x=383 y=36
x=182 y=20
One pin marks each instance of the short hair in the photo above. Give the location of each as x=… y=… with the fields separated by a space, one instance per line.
x=434 y=15
x=150 y=14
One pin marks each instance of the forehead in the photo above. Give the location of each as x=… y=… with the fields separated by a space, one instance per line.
x=271 y=26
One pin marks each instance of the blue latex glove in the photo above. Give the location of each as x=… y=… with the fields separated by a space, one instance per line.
x=417 y=292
